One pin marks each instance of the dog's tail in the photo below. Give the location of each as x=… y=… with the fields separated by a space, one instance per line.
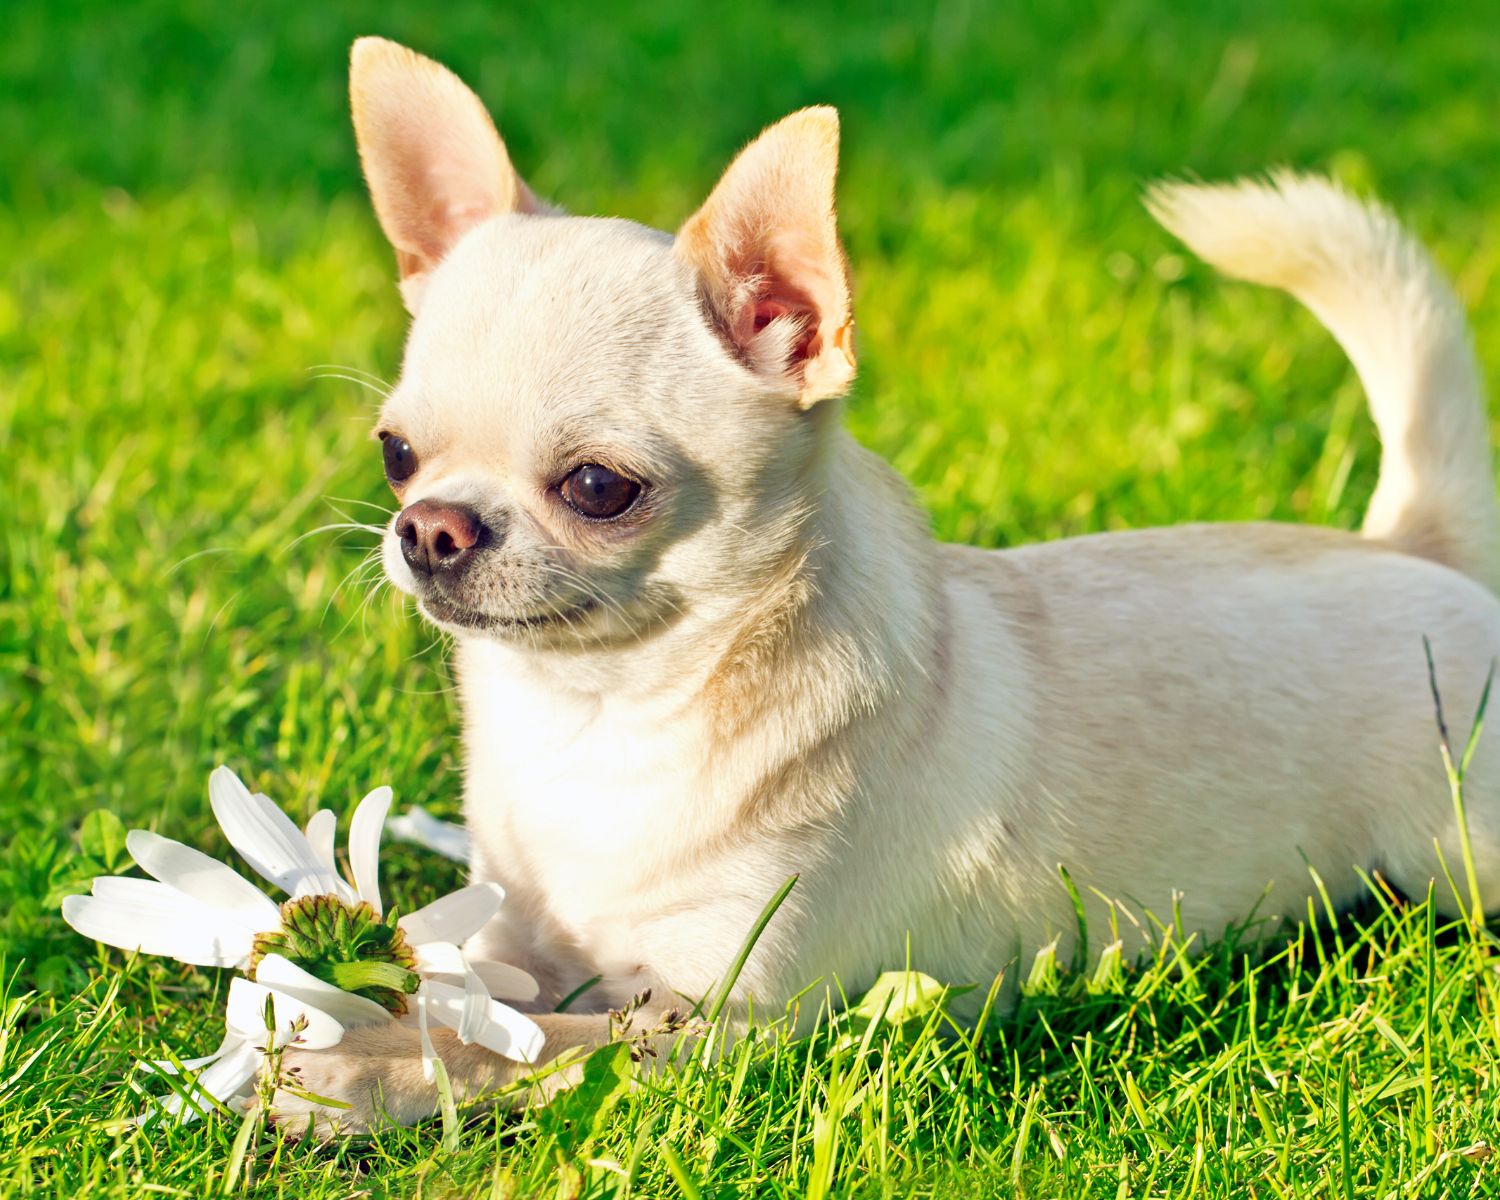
x=1398 y=320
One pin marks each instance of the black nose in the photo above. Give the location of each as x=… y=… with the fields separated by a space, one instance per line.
x=437 y=537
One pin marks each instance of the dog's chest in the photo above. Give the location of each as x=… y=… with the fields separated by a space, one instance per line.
x=589 y=801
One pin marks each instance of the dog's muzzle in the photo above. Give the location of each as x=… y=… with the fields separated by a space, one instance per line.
x=439 y=539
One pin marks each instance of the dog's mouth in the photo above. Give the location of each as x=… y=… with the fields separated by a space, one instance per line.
x=446 y=612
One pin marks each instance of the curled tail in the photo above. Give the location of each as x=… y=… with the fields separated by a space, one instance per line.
x=1403 y=328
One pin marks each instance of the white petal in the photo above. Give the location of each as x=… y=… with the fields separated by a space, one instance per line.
x=245 y=1014
x=268 y=840
x=448 y=963
x=320 y=831
x=456 y=916
x=440 y=958
x=502 y=1029
x=344 y=1007
x=475 y=1010
x=124 y=913
x=165 y=1066
x=444 y=837
x=226 y=1080
x=201 y=877
x=503 y=980
x=429 y=1051
x=364 y=845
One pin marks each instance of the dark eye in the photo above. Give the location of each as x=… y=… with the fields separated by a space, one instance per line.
x=599 y=493
x=400 y=458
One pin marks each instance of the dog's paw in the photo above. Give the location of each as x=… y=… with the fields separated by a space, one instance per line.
x=373 y=1078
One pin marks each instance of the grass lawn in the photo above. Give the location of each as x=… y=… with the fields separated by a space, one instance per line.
x=186 y=243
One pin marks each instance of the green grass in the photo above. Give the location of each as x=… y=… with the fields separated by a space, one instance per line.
x=185 y=239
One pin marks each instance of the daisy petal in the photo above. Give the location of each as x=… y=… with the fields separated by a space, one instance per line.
x=443 y=837
x=167 y=922
x=449 y=964
x=502 y=1029
x=503 y=980
x=245 y=1014
x=225 y=1081
x=194 y=873
x=151 y=894
x=440 y=958
x=321 y=827
x=344 y=1007
x=456 y=916
x=268 y=840
x=364 y=845
x=429 y=1051
x=165 y=1066
x=476 y=1008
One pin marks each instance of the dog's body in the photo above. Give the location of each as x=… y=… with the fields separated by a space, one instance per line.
x=1190 y=710
x=762 y=665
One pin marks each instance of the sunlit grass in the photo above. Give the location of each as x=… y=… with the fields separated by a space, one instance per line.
x=1344 y=1055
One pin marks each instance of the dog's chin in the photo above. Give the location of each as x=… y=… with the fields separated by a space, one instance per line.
x=454 y=617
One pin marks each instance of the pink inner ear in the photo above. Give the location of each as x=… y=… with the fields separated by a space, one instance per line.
x=767 y=310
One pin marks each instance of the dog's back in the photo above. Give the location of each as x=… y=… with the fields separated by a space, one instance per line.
x=1211 y=710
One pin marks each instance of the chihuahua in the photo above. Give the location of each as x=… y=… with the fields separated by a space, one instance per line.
x=705 y=641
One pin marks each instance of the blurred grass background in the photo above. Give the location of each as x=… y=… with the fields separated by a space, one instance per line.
x=185 y=239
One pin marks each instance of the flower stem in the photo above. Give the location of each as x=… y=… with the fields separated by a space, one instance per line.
x=352 y=976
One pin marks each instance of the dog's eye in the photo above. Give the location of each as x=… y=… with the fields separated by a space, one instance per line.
x=400 y=458
x=598 y=493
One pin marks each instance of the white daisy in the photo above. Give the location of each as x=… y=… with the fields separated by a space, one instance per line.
x=418 y=825
x=307 y=1013
x=199 y=911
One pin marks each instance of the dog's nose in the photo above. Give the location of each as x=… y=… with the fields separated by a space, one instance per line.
x=438 y=537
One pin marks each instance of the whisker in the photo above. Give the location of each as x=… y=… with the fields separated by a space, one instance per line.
x=380 y=379
x=197 y=554
x=372 y=593
x=354 y=379
x=589 y=589
x=372 y=559
x=378 y=530
x=335 y=500
x=353 y=374
x=443 y=636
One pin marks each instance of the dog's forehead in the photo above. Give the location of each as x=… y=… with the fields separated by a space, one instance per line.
x=549 y=306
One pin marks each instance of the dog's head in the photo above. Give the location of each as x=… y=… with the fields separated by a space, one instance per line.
x=599 y=429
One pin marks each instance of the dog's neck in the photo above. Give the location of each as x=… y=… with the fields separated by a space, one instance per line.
x=592 y=803
x=846 y=618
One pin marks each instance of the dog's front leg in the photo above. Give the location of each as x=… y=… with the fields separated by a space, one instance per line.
x=377 y=1071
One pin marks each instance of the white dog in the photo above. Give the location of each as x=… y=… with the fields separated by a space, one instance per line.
x=705 y=641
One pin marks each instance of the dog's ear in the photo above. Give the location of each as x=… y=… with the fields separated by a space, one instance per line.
x=431 y=156
x=766 y=247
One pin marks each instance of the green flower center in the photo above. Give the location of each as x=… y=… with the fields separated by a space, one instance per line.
x=345 y=945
